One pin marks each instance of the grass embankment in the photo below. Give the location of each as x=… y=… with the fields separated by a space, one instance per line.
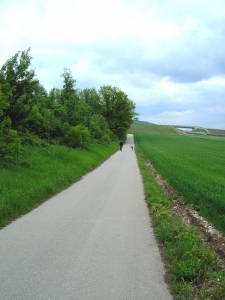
x=43 y=172
x=153 y=129
x=194 y=271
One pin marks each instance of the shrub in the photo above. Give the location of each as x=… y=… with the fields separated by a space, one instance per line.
x=78 y=137
x=10 y=144
x=106 y=138
x=31 y=139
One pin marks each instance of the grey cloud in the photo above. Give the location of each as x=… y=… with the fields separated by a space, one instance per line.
x=184 y=62
x=189 y=61
x=141 y=65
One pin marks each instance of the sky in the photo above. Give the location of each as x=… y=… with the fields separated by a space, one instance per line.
x=168 y=56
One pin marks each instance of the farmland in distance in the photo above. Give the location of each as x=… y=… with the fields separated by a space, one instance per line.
x=193 y=166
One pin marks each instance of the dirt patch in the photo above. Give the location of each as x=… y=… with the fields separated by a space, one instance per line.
x=183 y=210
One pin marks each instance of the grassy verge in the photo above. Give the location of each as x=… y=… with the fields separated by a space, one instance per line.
x=43 y=172
x=193 y=270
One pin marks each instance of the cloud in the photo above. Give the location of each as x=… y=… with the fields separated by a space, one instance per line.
x=168 y=56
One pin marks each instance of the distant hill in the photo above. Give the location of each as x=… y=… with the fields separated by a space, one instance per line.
x=147 y=127
x=142 y=122
x=216 y=131
x=153 y=129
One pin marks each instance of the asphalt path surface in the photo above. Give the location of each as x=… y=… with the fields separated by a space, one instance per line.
x=94 y=240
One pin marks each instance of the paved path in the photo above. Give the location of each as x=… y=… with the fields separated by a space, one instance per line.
x=92 y=241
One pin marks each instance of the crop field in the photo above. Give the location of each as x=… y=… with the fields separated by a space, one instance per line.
x=193 y=166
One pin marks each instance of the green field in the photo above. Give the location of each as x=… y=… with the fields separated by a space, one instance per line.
x=193 y=166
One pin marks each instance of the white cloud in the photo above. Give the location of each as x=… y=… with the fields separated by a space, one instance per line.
x=168 y=56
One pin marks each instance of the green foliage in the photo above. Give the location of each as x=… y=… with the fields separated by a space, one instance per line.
x=69 y=85
x=30 y=139
x=193 y=258
x=46 y=118
x=92 y=98
x=10 y=144
x=3 y=98
x=105 y=114
x=77 y=111
x=23 y=87
x=50 y=123
x=98 y=126
x=78 y=136
x=65 y=128
x=118 y=109
x=55 y=95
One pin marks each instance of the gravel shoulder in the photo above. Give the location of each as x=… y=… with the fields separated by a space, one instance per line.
x=94 y=240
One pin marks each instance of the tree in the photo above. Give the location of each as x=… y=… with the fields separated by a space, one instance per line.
x=54 y=102
x=10 y=144
x=77 y=111
x=118 y=109
x=69 y=85
x=22 y=86
x=92 y=98
x=55 y=95
x=29 y=108
x=3 y=98
x=98 y=126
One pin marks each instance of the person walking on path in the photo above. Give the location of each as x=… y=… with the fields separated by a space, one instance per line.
x=121 y=145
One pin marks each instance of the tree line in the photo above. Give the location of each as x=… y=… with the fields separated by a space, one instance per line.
x=67 y=116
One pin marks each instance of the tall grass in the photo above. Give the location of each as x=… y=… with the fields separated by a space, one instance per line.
x=194 y=166
x=43 y=172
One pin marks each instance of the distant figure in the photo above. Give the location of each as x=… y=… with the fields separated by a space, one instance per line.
x=121 y=145
x=132 y=148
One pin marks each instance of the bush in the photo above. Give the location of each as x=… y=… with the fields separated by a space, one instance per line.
x=106 y=138
x=193 y=258
x=78 y=137
x=10 y=144
x=31 y=139
x=99 y=127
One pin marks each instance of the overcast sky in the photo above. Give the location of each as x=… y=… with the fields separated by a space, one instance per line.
x=168 y=56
